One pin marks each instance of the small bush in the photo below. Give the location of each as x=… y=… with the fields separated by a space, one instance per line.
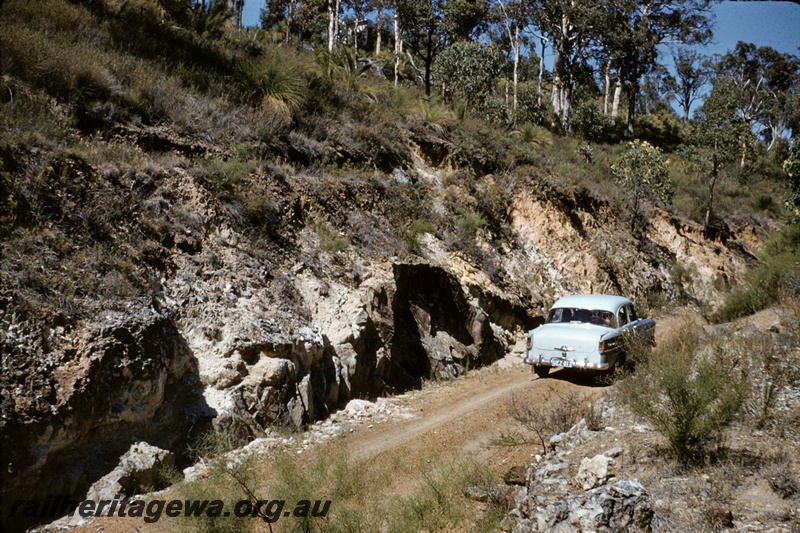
x=593 y=414
x=589 y=123
x=226 y=174
x=415 y=230
x=763 y=286
x=683 y=277
x=330 y=239
x=547 y=418
x=688 y=391
x=534 y=135
x=272 y=80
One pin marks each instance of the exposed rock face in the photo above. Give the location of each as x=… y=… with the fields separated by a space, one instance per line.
x=130 y=377
x=243 y=334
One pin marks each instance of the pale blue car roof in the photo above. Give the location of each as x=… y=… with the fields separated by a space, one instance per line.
x=605 y=302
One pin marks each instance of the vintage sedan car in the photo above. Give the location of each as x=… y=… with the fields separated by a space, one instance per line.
x=587 y=332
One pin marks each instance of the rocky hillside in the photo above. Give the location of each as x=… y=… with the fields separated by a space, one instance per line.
x=183 y=315
x=178 y=253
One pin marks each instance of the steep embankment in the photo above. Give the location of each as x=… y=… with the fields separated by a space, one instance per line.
x=178 y=305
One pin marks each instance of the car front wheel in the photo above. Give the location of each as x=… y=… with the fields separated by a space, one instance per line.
x=541 y=371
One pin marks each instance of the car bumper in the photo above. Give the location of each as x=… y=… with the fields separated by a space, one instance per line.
x=579 y=362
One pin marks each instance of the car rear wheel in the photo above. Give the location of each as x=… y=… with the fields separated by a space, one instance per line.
x=541 y=371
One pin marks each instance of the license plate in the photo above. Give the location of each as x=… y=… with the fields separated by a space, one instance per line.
x=567 y=363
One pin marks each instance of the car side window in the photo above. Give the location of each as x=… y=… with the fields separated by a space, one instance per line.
x=631 y=312
x=623 y=316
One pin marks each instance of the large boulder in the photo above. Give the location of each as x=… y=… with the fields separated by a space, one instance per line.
x=141 y=469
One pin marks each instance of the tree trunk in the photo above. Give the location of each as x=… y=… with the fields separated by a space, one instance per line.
x=743 y=160
x=566 y=106
x=617 y=97
x=556 y=97
x=607 y=90
x=378 y=28
x=710 y=204
x=337 y=8
x=541 y=72
x=330 y=25
x=428 y=62
x=516 y=72
x=398 y=48
x=629 y=120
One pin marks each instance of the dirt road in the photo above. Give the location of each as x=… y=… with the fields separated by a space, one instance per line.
x=465 y=418
x=469 y=413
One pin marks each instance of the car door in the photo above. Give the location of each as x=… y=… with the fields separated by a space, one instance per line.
x=638 y=326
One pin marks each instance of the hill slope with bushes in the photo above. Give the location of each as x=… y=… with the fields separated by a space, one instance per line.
x=201 y=228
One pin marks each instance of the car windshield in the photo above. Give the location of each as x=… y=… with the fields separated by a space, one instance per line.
x=576 y=315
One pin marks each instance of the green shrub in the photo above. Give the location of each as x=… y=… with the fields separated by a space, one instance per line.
x=589 y=123
x=528 y=108
x=271 y=79
x=415 y=230
x=534 y=135
x=330 y=239
x=776 y=276
x=683 y=277
x=688 y=390
x=227 y=173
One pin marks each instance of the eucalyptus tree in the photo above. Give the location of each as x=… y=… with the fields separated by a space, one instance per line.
x=637 y=27
x=429 y=26
x=766 y=84
x=570 y=26
x=467 y=70
x=692 y=73
x=513 y=16
x=295 y=18
x=718 y=130
x=334 y=13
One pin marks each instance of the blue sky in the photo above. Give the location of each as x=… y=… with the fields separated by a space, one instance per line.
x=775 y=24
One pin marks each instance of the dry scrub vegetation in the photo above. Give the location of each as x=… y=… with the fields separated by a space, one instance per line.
x=364 y=496
x=99 y=99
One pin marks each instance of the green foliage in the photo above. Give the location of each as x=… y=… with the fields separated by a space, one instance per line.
x=340 y=64
x=271 y=79
x=468 y=224
x=763 y=286
x=528 y=108
x=227 y=173
x=688 y=390
x=585 y=149
x=467 y=70
x=683 y=277
x=792 y=168
x=534 y=135
x=591 y=124
x=415 y=230
x=433 y=113
x=330 y=239
x=197 y=16
x=642 y=173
